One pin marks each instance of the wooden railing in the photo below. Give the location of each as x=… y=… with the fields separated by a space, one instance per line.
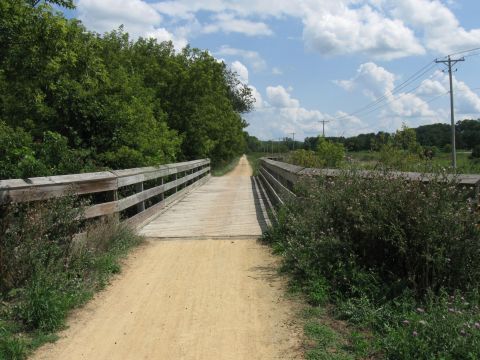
x=279 y=178
x=136 y=194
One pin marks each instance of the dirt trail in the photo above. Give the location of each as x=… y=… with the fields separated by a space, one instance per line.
x=190 y=299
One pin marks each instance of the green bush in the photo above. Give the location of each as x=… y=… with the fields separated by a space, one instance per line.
x=331 y=154
x=475 y=152
x=386 y=230
x=47 y=267
x=36 y=236
x=395 y=256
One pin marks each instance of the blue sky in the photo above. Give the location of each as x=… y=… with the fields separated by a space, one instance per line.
x=313 y=60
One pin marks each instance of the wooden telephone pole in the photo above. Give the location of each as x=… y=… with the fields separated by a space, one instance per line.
x=451 y=62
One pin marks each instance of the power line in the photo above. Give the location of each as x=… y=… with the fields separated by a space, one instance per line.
x=417 y=75
x=392 y=100
x=463 y=52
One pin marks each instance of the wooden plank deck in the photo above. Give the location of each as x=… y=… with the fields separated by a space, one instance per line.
x=225 y=207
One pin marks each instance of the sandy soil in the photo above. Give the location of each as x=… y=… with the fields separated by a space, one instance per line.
x=188 y=299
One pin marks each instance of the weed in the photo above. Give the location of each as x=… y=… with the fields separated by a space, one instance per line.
x=47 y=269
x=396 y=257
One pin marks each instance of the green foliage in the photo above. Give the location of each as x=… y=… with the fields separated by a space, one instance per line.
x=17 y=156
x=475 y=152
x=386 y=250
x=406 y=139
x=46 y=268
x=467 y=133
x=85 y=101
x=402 y=151
x=45 y=305
x=12 y=348
x=330 y=154
x=305 y=158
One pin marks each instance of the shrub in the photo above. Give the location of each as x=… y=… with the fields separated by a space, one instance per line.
x=475 y=152
x=359 y=233
x=331 y=154
x=36 y=236
x=327 y=154
x=305 y=158
x=47 y=267
x=395 y=256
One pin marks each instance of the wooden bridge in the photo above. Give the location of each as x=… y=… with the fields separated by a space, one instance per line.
x=211 y=291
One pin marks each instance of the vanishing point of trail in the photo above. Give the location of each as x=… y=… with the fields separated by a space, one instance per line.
x=201 y=288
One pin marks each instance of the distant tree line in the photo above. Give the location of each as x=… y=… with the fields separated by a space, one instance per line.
x=72 y=100
x=438 y=135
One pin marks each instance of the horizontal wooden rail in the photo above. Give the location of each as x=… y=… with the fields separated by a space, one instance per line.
x=279 y=178
x=168 y=182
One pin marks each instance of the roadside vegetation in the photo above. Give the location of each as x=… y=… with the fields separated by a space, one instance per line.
x=400 y=151
x=253 y=159
x=396 y=260
x=224 y=168
x=47 y=268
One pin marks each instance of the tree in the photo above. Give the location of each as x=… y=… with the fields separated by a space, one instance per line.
x=115 y=102
x=63 y=3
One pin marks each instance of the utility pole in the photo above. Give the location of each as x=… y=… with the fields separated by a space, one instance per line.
x=450 y=62
x=323 y=126
x=293 y=138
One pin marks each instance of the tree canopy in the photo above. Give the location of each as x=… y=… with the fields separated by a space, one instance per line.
x=108 y=100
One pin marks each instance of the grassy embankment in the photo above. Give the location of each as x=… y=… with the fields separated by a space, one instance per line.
x=46 y=269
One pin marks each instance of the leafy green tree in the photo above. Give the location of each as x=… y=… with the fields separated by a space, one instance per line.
x=330 y=154
x=114 y=102
x=64 y=3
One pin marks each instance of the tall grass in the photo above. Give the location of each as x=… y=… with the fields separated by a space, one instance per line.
x=47 y=268
x=397 y=257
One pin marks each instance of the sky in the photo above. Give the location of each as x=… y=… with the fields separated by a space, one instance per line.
x=359 y=65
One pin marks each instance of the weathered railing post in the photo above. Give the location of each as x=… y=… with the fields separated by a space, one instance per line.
x=139 y=189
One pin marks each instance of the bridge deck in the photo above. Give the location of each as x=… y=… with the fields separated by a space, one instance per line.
x=226 y=207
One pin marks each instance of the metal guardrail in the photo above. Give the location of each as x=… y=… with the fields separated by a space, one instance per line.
x=168 y=183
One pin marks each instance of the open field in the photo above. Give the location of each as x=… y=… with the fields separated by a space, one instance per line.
x=442 y=160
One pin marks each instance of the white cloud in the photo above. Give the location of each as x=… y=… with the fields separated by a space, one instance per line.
x=372 y=79
x=107 y=15
x=441 y=29
x=279 y=97
x=138 y=18
x=376 y=82
x=466 y=100
x=281 y=115
x=341 y=30
x=259 y=104
x=379 y=29
x=227 y=23
x=252 y=58
x=241 y=70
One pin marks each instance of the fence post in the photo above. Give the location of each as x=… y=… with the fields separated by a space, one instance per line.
x=139 y=189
